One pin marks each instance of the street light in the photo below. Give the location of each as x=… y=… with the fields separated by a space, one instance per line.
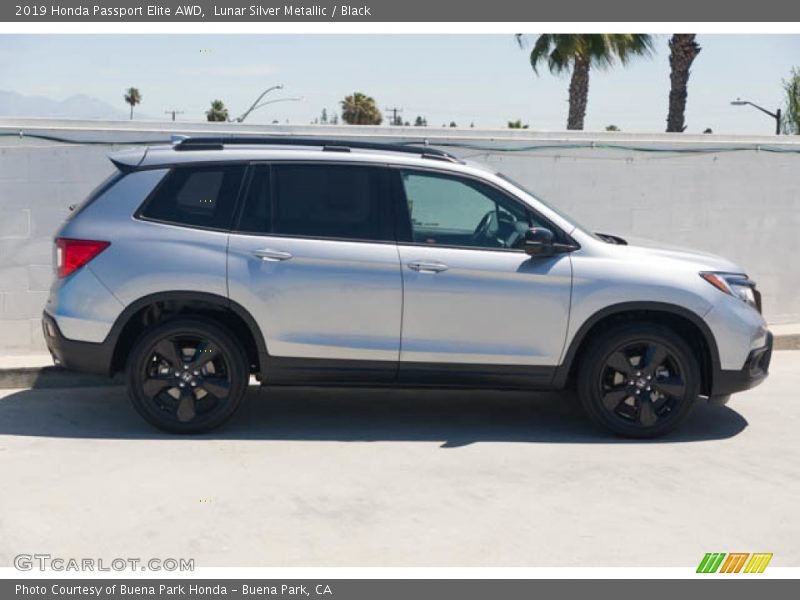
x=255 y=104
x=775 y=115
x=290 y=99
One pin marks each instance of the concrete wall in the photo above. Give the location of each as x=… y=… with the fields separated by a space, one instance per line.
x=744 y=205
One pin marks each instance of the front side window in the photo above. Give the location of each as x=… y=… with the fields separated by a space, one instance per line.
x=317 y=201
x=452 y=211
x=196 y=196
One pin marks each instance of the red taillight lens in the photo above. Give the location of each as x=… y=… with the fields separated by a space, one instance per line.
x=73 y=254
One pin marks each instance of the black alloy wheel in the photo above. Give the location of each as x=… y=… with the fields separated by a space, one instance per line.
x=187 y=376
x=639 y=380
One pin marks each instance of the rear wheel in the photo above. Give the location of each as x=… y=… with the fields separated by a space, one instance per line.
x=187 y=376
x=639 y=380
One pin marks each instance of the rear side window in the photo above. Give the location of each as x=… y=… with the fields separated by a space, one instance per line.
x=318 y=201
x=196 y=196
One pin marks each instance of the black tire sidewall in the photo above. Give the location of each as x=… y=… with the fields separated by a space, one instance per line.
x=592 y=366
x=233 y=354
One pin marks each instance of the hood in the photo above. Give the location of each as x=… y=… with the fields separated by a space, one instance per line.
x=702 y=260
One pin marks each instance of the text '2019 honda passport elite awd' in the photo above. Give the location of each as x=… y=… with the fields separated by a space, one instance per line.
x=314 y=262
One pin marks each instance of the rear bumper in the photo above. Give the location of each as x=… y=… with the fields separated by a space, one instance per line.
x=755 y=370
x=87 y=357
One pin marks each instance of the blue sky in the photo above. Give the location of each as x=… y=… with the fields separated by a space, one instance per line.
x=485 y=79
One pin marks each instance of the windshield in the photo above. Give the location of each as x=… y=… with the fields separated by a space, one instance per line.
x=560 y=213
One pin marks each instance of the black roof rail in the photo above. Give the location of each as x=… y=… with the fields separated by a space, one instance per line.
x=333 y=145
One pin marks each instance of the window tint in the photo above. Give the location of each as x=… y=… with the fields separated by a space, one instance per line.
x=451 y=211
x=256 y=216
x=199 y=196
x=326 y=201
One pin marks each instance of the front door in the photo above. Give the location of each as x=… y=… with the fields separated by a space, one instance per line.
x=475 y=306
x=315 y=262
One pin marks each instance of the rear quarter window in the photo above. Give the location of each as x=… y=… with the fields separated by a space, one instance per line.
x=196 y=196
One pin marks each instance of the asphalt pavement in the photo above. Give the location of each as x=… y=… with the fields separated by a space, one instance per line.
x=309 y=477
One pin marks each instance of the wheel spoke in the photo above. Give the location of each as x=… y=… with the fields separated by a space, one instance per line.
x=204 y=353
x=612 y=398
x=169 y=351
x=671 y=386
x=186 y=410
x=654 y=356
x=647 y=413
x=619 y=362
x=216 y=386
x=153 y=385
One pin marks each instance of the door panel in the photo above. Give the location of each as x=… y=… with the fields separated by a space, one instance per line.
x=315 y=262
x=329 y=299
x=485 y=307
x=471 y=298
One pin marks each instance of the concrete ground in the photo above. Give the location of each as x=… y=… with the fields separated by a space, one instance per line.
x=400 y=478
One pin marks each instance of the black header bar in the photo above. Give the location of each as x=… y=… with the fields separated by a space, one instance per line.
x=626 y=11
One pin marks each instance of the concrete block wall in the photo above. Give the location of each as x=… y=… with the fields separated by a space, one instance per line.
x=37 y=185
x=744 y=205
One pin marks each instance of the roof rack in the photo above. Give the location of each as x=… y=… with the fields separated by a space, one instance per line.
x=330 y=145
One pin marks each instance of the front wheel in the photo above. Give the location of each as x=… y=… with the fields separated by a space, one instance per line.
x=187 y=376
x=639 y=380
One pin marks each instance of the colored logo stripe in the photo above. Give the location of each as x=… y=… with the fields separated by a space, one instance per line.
x=734 y=562
x=711 y=562
x=758 y=562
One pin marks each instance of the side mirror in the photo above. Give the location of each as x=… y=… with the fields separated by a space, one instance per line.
x=539 y=242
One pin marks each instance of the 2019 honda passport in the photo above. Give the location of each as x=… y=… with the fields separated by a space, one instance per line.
x=320 y=262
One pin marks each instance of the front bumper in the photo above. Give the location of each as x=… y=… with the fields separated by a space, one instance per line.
x=87 y=357
x=755 y=370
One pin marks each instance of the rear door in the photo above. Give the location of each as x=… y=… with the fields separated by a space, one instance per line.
x=475 y=303
x=315 y=262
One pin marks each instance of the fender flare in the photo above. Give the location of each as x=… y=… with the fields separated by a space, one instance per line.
x=562 y=371
x=177 y=296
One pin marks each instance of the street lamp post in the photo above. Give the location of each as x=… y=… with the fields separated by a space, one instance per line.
x=291 y=99
x=775 y=115
x=255 y=104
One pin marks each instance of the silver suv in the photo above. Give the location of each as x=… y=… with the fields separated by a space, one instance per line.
x=325 y=262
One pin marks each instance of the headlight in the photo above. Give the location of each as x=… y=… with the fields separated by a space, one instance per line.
x=739 y=286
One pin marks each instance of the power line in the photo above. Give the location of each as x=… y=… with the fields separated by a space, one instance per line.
x=395 y=110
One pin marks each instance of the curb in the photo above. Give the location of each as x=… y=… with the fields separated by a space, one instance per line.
x=58 y=377
x=52 y=377
x=790 y=341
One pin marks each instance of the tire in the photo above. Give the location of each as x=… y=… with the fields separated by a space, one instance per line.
x=187 y=376
x=614 y=388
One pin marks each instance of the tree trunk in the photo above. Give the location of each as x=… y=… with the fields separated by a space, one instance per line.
x=131 y=112
x=683 y=50
x=578 y=93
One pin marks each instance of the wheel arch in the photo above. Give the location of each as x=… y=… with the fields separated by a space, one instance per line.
x=685 y=322
x=161 y=306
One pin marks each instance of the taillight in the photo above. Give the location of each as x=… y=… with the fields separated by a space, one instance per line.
x=73 y=254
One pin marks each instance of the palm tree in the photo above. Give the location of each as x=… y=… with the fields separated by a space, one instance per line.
x=580 y=52
x=683 y=50
x=360 y=109
x=133 y=97
x=791 y=114
x=217 y=112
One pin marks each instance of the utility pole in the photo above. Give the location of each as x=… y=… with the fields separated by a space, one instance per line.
x=395 y=111
x=173 y=112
